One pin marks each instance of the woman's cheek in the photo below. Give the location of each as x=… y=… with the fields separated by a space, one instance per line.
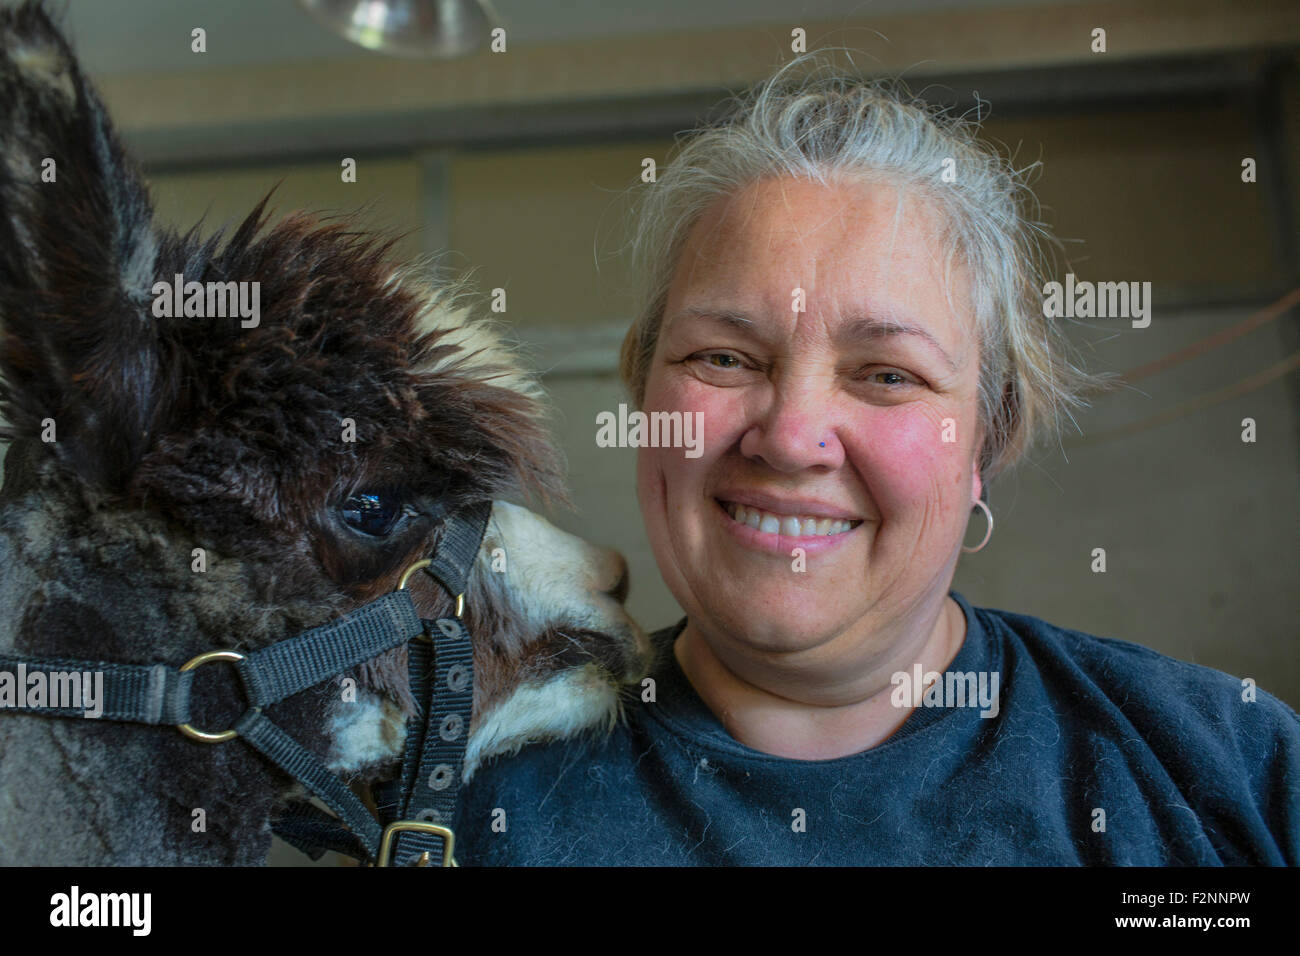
x=664 y=473
x=719 y=412
x=902 y=450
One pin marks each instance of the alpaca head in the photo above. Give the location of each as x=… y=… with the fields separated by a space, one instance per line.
x=180 y=481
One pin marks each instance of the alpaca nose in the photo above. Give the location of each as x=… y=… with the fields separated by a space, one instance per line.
x=619 y=591
x=607 y=571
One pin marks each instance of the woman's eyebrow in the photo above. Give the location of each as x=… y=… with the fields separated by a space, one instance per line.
x=879 y=327
x=730 y=317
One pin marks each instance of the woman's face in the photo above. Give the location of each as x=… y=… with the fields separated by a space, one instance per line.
x=854 y=417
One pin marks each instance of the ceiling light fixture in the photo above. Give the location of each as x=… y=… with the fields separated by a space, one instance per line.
x=410 y=28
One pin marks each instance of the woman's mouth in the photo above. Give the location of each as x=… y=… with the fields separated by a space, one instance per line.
x=790 y=526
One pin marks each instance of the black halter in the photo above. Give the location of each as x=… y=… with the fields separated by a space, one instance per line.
x=417 y=807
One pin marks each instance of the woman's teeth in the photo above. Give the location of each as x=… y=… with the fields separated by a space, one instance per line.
x=792 y=526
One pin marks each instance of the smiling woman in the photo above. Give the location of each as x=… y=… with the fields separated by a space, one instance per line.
x=861 y=337
x=813 y=422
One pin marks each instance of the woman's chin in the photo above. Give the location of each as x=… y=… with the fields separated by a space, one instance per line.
x=775 y=628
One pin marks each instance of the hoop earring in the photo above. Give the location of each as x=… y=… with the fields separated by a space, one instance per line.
x=979 y=503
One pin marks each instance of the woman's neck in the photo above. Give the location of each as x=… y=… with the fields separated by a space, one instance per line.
x=754 y=711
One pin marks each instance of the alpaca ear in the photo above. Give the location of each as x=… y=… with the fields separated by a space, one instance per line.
x=78 y=344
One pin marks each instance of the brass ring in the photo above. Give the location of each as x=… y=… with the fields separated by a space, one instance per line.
x=192 y=732
x=420 y=566
x=417 y=566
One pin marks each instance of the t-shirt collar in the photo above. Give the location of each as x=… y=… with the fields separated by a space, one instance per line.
x=678 y=701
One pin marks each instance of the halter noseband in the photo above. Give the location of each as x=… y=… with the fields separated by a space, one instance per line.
x=416 y=808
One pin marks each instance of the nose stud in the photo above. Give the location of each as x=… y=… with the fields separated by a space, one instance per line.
x=822 y=444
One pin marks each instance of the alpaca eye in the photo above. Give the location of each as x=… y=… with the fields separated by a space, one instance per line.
x=375 y=513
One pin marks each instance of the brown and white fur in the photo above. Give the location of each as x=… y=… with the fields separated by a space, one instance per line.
x=174 y=434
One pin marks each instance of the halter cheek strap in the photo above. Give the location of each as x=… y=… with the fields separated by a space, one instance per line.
x=418 y=806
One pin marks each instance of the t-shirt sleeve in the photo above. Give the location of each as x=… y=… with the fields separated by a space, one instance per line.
x=1231 y=749
x=1257 y=743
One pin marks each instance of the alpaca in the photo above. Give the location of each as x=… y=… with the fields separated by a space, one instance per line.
x=187 y=482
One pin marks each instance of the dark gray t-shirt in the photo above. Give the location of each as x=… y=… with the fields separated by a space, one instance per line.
x=1101 y=752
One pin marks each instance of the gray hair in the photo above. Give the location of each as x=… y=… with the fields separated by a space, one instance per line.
x=826 y=125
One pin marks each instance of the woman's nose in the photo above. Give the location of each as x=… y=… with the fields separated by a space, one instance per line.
x=798 y=429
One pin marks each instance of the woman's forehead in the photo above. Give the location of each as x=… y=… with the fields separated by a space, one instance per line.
x=840 y=252
x=806 y=229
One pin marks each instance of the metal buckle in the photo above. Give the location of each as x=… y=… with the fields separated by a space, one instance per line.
x=416 y=826
x=191 y=731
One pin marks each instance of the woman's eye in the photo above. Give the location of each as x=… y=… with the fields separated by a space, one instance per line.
x=375 y=513
x=890 y=378
x=720 y=359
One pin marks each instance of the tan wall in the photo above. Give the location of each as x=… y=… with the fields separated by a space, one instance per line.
x=545 y=224
x=1154 y=194
x=222 y=198
x=1290 y=111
